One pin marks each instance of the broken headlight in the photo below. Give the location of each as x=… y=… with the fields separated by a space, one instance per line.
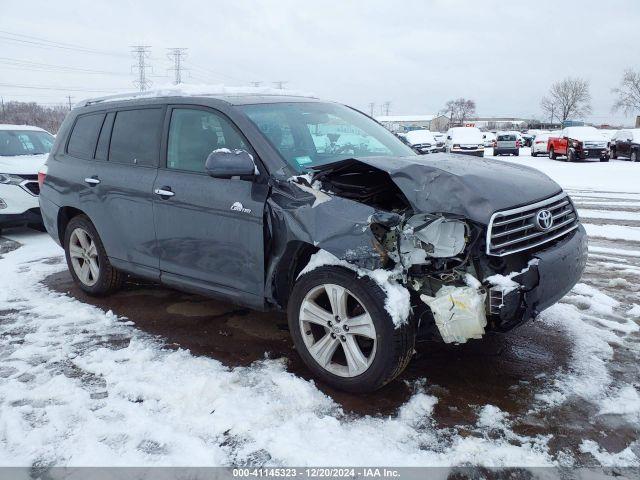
x=426 y=236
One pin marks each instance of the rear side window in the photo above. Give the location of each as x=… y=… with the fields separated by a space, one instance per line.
x=135 y=138
x=82 y=142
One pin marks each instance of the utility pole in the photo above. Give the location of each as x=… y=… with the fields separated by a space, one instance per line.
x=386 y=105
x=141 y=53
x=177 y=55
x=280 y=84
x=69 y=98
x=552 y=109
x=2 y=102
x=371 y=107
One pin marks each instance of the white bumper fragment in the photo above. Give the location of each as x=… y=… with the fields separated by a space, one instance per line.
x=459 y=312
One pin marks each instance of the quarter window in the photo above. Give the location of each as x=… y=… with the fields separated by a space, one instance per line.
x=135 y=138
x=194 y=134
x=82 y=142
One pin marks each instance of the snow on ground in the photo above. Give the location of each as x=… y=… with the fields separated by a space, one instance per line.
x=80 y=386
x=612 y=176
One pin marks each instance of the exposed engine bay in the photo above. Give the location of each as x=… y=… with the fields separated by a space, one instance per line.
x=458 y=291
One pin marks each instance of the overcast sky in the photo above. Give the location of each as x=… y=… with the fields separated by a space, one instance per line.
x=417 y=55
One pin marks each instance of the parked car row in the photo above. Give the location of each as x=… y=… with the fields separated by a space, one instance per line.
x=23 y=151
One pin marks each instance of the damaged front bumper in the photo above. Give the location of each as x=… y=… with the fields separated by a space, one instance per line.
x=551 y=273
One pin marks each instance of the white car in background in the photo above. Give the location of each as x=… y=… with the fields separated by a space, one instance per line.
x=540 y=142
x=23 y=151
x=424 y=141
x=465 y=140
x=489 y=139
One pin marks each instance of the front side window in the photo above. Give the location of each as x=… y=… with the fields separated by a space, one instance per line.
x=309 y=134
x=194 y=134
x=135 y=138
x=24 y=142
x=82 y=142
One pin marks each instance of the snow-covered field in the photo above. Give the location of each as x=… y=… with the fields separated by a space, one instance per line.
x=81 y=386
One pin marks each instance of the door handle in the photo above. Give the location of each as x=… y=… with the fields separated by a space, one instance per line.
x=92 y=180
x=164 y=192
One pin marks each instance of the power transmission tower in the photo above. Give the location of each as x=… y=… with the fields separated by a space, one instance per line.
x=177 y=55
x=141 y=53
x=255 y=84
x=280 y=84
x=386 y=106
x=371 y=107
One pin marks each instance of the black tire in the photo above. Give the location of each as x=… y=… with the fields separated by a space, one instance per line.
x=534 y=154
x=109 y=279
x=571 y=156
x=605 y=159
x=394 y=348
x=552 y=154
x=517 y=154
x=634 y=156
x=614 y=155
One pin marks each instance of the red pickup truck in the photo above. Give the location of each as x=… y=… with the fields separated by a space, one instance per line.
x=579 y=143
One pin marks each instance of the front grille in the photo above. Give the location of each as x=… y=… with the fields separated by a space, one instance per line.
x=32 y=187
x=515 y=230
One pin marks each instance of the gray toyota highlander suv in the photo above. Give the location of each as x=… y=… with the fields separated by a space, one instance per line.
x=309 y=207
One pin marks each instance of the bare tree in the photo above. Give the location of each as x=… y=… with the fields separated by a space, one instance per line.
x=628 y=93
x=549 y=108
x=459 y=110
x=30 y=113
x=568 y=98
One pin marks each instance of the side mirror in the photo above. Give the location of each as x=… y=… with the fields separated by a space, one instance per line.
x=225 y=163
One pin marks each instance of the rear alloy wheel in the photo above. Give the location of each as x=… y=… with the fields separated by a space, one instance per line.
x=552 y=154
x=87 y=259
x=343 y=332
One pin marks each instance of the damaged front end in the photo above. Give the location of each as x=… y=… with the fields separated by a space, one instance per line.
x=376 y=219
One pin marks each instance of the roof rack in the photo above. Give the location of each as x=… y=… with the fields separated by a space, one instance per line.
x=187 y=90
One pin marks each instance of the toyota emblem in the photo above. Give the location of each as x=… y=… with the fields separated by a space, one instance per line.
x=544 y=220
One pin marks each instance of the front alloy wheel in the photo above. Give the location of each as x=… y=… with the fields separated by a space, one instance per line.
x=343 y=332
x=337 y=330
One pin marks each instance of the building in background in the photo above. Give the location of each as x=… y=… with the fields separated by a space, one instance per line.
x=406 y=123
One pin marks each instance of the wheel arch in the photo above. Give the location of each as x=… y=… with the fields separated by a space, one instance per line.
x=65 y=214
x=294 y=258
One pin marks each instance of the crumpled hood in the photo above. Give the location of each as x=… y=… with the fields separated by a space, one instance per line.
x=472 y=187
x=22 y=164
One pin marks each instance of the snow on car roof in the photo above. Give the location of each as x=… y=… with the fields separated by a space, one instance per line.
x=7 y=126
x=419 y=136
x=195 y=90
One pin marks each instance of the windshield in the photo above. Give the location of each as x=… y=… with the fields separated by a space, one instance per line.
x=310 y=134
x=24 y=142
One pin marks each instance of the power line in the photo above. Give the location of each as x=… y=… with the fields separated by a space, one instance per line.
x=28 y=40
x=69 y=89
x=48 y=67
x=177 y=55
x=141 y=53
